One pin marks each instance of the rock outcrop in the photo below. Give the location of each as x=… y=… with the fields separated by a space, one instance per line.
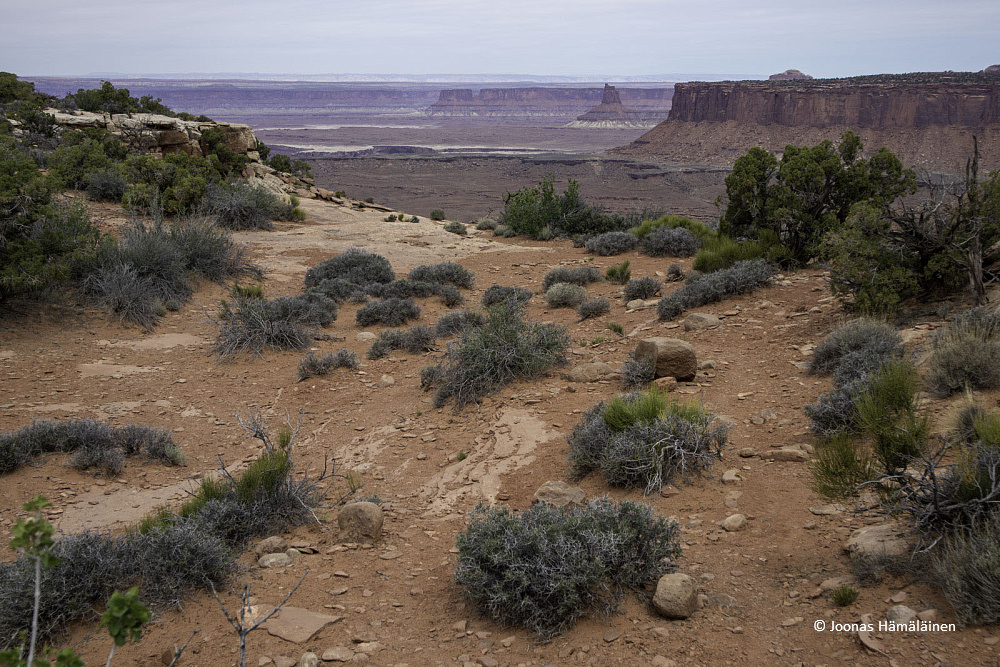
x=544 y=101
x=789 y=75
x=927 y=119
x=611 y=113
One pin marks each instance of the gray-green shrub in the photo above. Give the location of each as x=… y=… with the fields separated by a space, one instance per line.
x=642 y=288
x=670 y=242
x=565 y=295
x=593 y=308
x=580 y=275
x=495 y=294
x=312 y=365
x=741 y=278
x=390 y=312
x=611 y=243
x=454 y=322
x=356 y=266
x=966 y=353
x=445 y=272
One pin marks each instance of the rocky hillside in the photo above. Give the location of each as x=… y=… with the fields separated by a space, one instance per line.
x=928 y=120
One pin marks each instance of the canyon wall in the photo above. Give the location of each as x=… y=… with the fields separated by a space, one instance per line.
x=542 y=101
x=928 y=121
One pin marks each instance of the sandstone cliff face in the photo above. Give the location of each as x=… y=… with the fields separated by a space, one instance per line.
x=542 y=101
x=611 y=113
x=876 y=106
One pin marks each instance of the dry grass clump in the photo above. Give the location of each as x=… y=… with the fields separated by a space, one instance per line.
x=312 y=365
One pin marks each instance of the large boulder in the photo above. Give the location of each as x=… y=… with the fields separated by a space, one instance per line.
x=361 y=521
x=676 y=595
x=884 y=541
x=671 y=357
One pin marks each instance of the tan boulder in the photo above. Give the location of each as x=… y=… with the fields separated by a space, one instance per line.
x=671 y=357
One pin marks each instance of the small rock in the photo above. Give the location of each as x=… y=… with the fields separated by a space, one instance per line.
x=899 y=597
x=297 y=625
x=788 y=455
x=460 y=626
x=768 y=414
x=671 y=357
x=789 y=622
x=676 y=595
x=707 y=365
x=285 y=661
x=928 y=615
x=274 y=560
x=386 y=381
x=362 y=520
x=365 y=335
x=591 y=372
x=748 y=453
x=338 y=654
x=669 y=491
x=734 y=523
x=873 y=542
x=612 y=635
x=828 y=510
x=900 y=614
x=699 y=321
x=271 y=545
x=559 y=494
x=487 y=661
x=721 y=600
x=836 y=582
x=309 y=660
x=660 y=661
x=667 y=383
x=731 y=476
x=635 y=304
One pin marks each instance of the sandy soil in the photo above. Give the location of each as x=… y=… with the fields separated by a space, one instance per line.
x=397 y=600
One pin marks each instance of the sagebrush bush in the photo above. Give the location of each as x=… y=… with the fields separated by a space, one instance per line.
x=701 y=231
x=545 y=568
x=416 y=339
x=450 y=296
x=312 y=365
x=97 y=444
x=565 y=295
x=390 y=312
x=740 y=278
x=211 y=252
x=619 y=274
x=445 y=272
x=495 y=294
x=667 y=242
x=108 y=184
x=611 y=243
x=965 y=566
x=454 y=322
x=966 y=353
x=437 y=215
x=431 y=376
x=240 y=205
x=505 y=348
x=675 y=272
x=355 y=266
x=644 y=440
x=580 y=275
x=861 y=335
x=401 y=289
x=486 y=223
x=456 y=227
x=254 y=325
x=637 y=373
x=593 y=308
x=642 y=288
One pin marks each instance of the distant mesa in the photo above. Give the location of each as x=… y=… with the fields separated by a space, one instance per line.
x=992 y=69
x=611 y=113
x=555 y=103
x=789 y=75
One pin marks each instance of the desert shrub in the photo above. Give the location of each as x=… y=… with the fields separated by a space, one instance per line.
x=871 y=337
x=649 y=225
x=505 y=348
x=125 y=294
x=966 y=353
x=666 y=242
x=740 y=278
x=401 y=289
x=254 y=325
x=539 y=212
x=416 y=339
x=211 y=252
x=545 y=568
x=108 y=184
x=722 y=252
x=644 y=440
x=452 y=323
x=642 y=288
x=445 y=272
x=675 y=272
x=389 y=218
x=341 y=290
x=504 y=231
x=844 y=596
x=390 y=312
x=965 y=567
x=593 y=308
x=437 y=215
x=239 y=205
x=355 y=266
x=95 y=443
x=580 y=275
x=311 y=308
x=431 y=376
x=311 y=365
x=495 y=294
x=486 y=223
x=450 y=296
x=565 y=295
x=456 y=227
x=617 y=328
x=619 y=274
x=611 y=243
x=637 y=373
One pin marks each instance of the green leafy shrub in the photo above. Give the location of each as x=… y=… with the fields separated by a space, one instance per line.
x=701 y=231
x=539 y=212
x=456 y=227
x=644 y=440
x=844 y=596
x=611 y=243
x=71 y=163
x=966 y=353
x=445 y=272
x=565 y=295
x=544 y=569
x=619 y=274
x=506 y=348
x=580 y=275
x=593 y=308
x=454 y=322
x=437 y=215
x=496 y=294
x=108 y=184
x=239 y=205
x=740 y=278
x=86 y=438
x=390 y=312
x=642 y=288
x=311 y=365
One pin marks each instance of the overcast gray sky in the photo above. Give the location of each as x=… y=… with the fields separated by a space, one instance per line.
x=571 y=37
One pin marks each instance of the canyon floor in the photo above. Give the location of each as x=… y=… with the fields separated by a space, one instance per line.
x=395 y=602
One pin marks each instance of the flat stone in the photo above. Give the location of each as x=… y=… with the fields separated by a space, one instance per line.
x=900 y=614
x=271 y=545
x=274 y=560
x=591 y=372
x=731 y=476
x=612 y=635
x=338 y=654
x=698 y=321
x=365 y=335
x=386 y=381
x=787 y=455
x=667 y=383
x=828 y=510
x=882 y=541
x=298 y=625
x=559 y=494
x=309 y=660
